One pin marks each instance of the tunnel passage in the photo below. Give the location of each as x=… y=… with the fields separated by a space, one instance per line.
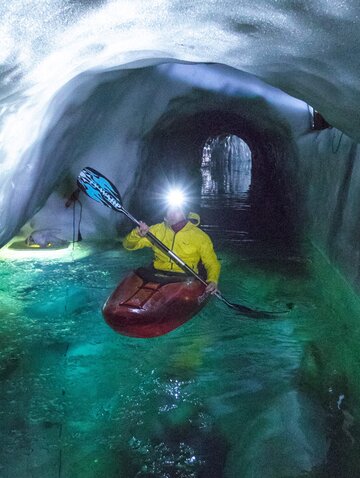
x=225 y=167
x=128 y=123
x=174 y=152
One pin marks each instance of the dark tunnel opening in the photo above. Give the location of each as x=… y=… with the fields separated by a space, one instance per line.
x=173 y=154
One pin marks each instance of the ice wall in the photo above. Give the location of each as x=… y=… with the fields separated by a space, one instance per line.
x=326 y=175
x=309 y=50
x=110 y=120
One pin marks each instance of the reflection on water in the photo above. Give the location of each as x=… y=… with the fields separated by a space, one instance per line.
x=225 y=166
x=226 y=179
x=238 y=212
x=220 y=397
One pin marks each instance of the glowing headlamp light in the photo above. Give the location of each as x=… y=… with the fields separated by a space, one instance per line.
x=175 y=198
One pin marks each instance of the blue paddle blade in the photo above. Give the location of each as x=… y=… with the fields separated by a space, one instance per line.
x=99 y=188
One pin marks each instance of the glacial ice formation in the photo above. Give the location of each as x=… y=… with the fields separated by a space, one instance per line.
x=100 y=83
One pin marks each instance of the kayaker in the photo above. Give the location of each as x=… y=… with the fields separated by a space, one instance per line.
x=182 y=237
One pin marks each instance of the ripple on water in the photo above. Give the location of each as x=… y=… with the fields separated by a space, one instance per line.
x=220 y=389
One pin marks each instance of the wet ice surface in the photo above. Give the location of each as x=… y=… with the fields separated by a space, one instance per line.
x=220 y=396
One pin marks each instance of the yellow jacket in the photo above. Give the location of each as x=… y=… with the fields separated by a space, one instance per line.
x=190 y=244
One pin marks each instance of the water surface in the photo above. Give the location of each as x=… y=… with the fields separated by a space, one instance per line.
x=220 y=396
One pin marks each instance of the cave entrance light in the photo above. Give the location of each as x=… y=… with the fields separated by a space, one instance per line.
x=226 y=166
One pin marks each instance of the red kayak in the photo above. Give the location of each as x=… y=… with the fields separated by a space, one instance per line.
x=147 y=305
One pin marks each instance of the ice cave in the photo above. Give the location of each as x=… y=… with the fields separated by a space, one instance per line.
x=252 y=109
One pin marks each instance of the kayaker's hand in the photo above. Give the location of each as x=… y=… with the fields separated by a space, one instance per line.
x=211 y=288
x=142 y=229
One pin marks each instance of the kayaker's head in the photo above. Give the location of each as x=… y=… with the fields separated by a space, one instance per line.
x=174 y=215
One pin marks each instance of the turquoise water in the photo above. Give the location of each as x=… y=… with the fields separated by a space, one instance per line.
x=222 y=396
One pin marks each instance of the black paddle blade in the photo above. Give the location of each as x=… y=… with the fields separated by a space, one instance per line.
x=251 y=313
x=99 y=188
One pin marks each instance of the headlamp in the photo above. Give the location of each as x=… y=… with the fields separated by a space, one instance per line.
x=175 y=198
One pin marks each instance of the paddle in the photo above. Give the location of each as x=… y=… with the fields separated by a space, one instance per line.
x=99 y=188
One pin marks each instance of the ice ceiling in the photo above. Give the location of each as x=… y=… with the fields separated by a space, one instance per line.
x=59 y=57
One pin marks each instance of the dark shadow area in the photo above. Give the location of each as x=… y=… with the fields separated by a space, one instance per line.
x=174 y=151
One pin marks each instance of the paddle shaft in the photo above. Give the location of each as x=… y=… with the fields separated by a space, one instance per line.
x=183 y=265
x=99 y=188
x=115 y=203
x=180 y=262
